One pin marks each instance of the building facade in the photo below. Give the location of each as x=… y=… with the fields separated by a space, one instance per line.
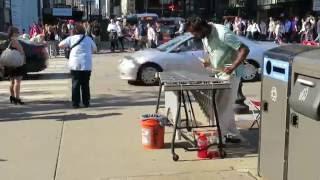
x=180 y=8
x=288 y=8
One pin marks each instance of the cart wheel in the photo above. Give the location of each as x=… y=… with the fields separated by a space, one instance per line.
x=175 y=157
x=223 y=154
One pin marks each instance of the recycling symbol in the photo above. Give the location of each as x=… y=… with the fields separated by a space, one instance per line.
x=304 y=94
x=274 y=94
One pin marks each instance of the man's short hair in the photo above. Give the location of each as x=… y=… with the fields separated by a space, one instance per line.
x=195 y=23
x=79 y=29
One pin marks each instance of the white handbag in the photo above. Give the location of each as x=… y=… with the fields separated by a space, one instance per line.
x=12 y=58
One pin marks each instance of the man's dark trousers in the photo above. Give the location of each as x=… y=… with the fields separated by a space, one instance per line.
x=80 y=81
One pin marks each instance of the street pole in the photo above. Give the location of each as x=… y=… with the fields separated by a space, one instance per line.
x=100 y=10
x=87 y=3
x=146 y=6
x=90 y=10
x=162 y=8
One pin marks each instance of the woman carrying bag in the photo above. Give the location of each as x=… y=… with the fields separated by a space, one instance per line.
x=14 y=68
x=80 y=64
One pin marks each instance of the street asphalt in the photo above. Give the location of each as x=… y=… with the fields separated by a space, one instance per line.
x=48 y=140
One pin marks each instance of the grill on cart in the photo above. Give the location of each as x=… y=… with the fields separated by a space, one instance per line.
x=178 y=87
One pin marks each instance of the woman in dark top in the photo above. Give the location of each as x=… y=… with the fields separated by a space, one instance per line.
x=15 y=74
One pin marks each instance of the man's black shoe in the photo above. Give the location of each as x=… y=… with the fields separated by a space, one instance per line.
x=75 y=106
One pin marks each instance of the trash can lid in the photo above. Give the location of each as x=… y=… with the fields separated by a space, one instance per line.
x=287 y=52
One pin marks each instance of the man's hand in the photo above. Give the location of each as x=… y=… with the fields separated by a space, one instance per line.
x=228 y=70
x=206 y=64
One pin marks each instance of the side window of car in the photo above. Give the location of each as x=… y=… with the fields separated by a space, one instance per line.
x=197 y=44
x=182 y=47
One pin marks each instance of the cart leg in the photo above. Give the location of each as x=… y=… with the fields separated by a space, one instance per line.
x=220 y=145
x=191 y=107
x=175 y=157
x=159 y=96
x=185 y=111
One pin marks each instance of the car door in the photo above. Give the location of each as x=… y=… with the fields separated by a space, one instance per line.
x=194 y=55
x=187 y=55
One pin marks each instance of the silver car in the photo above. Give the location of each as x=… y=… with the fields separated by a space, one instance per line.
x=184 y=52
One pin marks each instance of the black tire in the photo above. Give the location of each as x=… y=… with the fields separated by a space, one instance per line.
x=252 y=73
x=146 y=74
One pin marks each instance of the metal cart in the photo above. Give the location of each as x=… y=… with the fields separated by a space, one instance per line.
x=203 y=87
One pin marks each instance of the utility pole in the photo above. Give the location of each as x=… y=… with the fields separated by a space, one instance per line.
x=100 y=10
x=146 y=5
x=87 y=3
x=162 y=8
x=90 y=2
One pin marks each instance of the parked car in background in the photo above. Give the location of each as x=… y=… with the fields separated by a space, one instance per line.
x=184 y=52
x=36 y=54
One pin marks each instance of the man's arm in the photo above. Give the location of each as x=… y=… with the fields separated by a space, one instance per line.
x=65 y=43
x=242 y=54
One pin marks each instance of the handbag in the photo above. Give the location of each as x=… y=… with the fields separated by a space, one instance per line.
x=68 y=50
x=12 y=57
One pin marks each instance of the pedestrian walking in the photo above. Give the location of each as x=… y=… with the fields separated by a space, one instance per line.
x=95 y=33
x=80 y=64
x=15 y=74
x=318 y=30
x=151 y=36
x=181 y=28
x=295 y=30
x=142 y=30
x=135 y=37
x=287 y=30
x=113 y=35
x=263 y=29
x=279 y=31
x=255 y=30
x=271 y=29
x=158 y=34
x=223 y=47
x=249 y=30
x=120 y=34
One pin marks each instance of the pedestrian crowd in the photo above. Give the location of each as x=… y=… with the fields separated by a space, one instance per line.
x=281 y=29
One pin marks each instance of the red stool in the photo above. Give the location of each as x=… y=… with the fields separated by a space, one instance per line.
x=257 y=116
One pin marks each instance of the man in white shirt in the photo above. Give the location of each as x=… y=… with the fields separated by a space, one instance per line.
x=113 y=34
x=272 y=28
x=80 y=64
x=151 y=34
x=181 y=28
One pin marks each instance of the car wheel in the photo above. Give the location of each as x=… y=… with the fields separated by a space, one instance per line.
x=250 y=72
x=147 y=74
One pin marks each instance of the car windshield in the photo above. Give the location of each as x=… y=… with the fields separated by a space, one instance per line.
x=166 y=46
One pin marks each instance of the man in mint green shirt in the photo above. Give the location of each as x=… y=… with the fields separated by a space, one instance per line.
x=225 y=53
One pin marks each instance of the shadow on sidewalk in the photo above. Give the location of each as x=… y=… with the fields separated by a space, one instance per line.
x=46 y=76
x=61 y=110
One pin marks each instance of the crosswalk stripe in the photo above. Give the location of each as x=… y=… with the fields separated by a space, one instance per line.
x=50 y=84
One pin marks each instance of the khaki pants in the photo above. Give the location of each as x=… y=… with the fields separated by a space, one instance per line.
x=225 y=100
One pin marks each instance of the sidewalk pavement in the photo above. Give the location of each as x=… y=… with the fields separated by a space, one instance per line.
x=47 y=140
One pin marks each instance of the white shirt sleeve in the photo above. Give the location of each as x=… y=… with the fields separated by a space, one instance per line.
x=66 y=42
x=109 y=28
